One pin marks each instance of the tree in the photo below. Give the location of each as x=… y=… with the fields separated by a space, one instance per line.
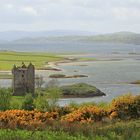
x=52 y=83
x=41 y=103
x=53 y=94
x=39 y=82
x=5 y=98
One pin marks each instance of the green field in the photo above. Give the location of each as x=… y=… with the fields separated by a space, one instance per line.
x=8 y=59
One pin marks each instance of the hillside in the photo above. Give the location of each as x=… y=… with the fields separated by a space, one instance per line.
x=119 y=37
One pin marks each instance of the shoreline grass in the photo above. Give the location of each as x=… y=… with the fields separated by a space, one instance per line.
x=8 y=59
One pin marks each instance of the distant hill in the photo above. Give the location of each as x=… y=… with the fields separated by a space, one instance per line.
x=119 y=37
x=14 y=35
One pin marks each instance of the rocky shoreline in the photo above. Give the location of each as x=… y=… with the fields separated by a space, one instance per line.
x=66 y=76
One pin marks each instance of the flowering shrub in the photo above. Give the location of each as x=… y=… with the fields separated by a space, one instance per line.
x=64 y=110
x=137 y=104
x=126 y=107
x=86 y=114
x=25 y=119
x=114 y=115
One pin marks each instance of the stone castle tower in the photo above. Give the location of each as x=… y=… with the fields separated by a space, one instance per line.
x=23 y=79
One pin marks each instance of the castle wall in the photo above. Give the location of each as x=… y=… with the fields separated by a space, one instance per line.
x=23 y=80
x=31 y=79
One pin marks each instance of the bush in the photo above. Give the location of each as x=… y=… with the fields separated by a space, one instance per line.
x=26 y=119
x=86 y=114
x=15 y=105
x=5 y=98
x=125 y=107
x=137 y=104
x=53 y=94
x=28 y=103
x=41 y=103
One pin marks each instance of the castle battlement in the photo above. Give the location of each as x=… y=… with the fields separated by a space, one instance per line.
x=23 y=79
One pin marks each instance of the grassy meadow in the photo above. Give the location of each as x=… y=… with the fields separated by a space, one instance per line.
x=8 y=59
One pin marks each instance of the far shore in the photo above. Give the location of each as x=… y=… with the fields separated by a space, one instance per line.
x=54 y=65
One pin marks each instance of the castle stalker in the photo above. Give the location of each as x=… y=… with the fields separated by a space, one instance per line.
x=23 y=79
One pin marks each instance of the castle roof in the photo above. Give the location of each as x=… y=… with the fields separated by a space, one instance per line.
x=23 y=65
x=30 y=65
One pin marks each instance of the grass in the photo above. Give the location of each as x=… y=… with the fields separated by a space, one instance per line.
x=114 y=131
x=81 y=89
x=36 y=135
x=5 y=76
x=8 y=59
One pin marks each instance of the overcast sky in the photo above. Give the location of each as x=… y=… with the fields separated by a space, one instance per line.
x=89 y=15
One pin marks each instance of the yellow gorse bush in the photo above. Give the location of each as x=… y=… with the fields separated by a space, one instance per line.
x=124 y=107
x=86 y=114
x=25 y=119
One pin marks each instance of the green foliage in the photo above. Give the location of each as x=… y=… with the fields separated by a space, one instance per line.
x=37 y=135
x=16 y=102
x=103 y=104
x=5 y=97
x=41 y=103
x=76 y=105
x=15 y=105
x=28 y=103
x=53 y=94
x=73 y=104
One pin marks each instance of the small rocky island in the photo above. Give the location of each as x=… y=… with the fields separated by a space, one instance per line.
x=136 y=82
x=66 y=76
x=81 y=90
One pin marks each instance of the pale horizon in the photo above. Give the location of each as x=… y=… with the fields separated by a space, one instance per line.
x=96 y=32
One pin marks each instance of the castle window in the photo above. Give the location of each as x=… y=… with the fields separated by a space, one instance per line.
x=22 y=75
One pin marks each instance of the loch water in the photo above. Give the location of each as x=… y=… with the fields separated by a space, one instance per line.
x=116 y=66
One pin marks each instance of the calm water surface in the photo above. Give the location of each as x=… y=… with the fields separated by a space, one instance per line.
x=112 y=74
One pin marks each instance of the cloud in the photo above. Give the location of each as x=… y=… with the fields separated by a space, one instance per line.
x=97 y=15
x=123 y=13
x=9 y=6
x=29 y=10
